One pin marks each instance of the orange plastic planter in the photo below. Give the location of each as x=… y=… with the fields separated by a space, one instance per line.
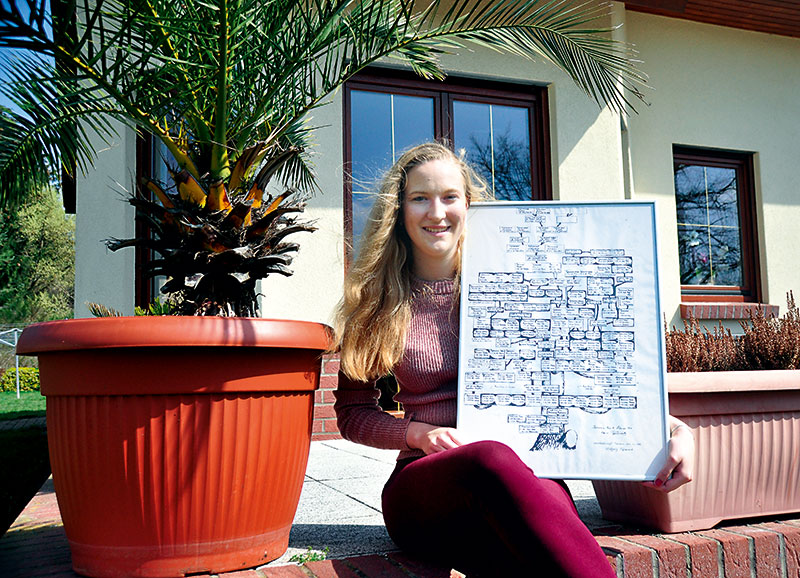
x=747 y=433
x=178 y=444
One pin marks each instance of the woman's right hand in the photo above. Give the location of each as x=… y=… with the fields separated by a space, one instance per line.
x=431 y=439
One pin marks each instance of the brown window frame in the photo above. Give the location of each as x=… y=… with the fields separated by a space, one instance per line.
x=531 y=96
x=145 y=288
x=742 y=163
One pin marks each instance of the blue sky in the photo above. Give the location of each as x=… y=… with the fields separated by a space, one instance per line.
x=7 y=54
x=4 y=52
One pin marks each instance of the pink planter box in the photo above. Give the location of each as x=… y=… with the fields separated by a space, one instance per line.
x=747 y=429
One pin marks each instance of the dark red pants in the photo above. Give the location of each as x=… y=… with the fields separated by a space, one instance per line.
x=478 y=508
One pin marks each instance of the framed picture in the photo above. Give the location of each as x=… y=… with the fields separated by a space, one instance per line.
x=562 y=349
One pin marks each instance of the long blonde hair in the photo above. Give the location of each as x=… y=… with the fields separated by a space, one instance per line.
x=373 y=316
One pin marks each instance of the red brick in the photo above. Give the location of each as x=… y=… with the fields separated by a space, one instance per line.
x=288 y=571
x=637 y=561
x=324 y=396
x=328 y=382
x=324 y=411
x=704 y=554
x=316 y=426
x=376 y=567
x=330 y=426
x=736 y=552
x=791 y=522
x=330 y=366
x=791 y=541
x=612 y=560
x=331 y=569
x=418 y=568
x=243 y=574
x=726 y=310
x=767 y=547
x=325 y=436
x=673 y=559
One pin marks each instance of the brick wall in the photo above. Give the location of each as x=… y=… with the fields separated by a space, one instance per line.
x=726 y=310
x=324 y=426
x=759 y=550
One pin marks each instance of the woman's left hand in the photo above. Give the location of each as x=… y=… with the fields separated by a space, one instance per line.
x=679 y=467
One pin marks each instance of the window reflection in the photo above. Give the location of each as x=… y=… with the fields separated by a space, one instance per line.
x=382 y=126
x=709 y=235
x=497 y=141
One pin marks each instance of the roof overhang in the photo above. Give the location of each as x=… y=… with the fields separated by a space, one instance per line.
x=780 y=17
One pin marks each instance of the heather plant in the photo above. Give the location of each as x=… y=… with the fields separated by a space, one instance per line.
x=766 y=343
x=772 y=343
x=695 y=348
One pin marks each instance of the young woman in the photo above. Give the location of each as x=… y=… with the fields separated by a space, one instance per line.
x=477 y=506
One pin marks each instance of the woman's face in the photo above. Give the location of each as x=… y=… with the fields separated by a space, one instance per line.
x=434 y=213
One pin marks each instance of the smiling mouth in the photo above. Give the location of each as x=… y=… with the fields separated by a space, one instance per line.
x=436 y=229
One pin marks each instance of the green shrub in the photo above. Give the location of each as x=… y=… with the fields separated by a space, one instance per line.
x=28 y=379
x=767 y=343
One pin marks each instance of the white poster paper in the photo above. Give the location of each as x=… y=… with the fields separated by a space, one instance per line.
x=561 y=350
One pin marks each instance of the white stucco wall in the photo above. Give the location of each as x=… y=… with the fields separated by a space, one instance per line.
x=585 y=156
x=720 y=88
x=101 y=213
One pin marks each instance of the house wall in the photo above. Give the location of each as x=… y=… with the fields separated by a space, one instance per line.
x=723 y=88
x=102 y=213
x=711 y=86
x=585 y=156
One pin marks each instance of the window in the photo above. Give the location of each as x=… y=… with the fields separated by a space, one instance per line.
x=717 y=244
x=501 y=126
x=150 y=162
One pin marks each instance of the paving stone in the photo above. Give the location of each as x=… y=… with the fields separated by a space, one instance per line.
x=736 y=552
x=366 y=492
x=340 y=540
x=342 y=513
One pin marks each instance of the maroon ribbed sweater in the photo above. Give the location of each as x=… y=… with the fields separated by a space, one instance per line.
x=427 y=376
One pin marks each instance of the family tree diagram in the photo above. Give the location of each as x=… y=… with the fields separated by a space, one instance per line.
x=549 y=332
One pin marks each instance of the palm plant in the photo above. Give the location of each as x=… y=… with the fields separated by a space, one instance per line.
x=226 y=86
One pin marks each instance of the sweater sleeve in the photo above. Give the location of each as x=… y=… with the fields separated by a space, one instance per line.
x=362 y=420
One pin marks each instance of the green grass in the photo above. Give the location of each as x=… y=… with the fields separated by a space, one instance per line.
x=30 y=404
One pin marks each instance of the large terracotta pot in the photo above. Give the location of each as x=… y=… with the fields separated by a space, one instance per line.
x=178 y=445
x=747 y=430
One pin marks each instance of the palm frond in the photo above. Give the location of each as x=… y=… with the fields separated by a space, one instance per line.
x=55 y=125
x=211 y=79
